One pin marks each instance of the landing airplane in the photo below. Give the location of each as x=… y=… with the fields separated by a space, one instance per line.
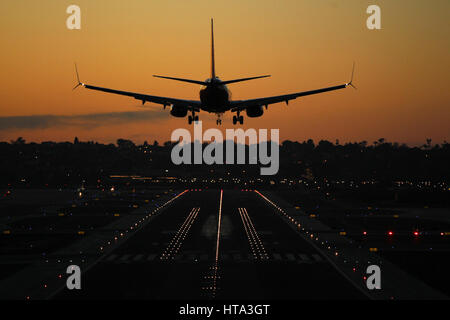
x=214 y=96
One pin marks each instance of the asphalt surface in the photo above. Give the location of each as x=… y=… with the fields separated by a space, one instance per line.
x=178 y=255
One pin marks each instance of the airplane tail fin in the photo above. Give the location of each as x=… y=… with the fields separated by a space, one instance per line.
x=213 y=68
x=213 y=63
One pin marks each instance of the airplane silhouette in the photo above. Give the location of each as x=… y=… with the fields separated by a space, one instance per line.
x=215 y=96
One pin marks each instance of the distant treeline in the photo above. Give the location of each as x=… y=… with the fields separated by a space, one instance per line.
x=69 y=163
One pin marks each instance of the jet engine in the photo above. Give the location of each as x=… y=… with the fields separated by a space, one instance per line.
x=179 y=111
x=254 y=112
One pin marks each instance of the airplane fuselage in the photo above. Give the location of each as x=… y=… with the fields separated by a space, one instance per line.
x=215 y=97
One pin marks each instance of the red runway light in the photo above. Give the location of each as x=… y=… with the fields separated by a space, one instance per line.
x=365 y=233
x=390 y=233
x=416 y=233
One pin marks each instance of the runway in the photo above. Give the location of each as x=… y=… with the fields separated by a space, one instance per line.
x=214 y=244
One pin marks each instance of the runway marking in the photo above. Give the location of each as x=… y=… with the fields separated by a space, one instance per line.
x=191 y=257
x=277 y=256
x=235 y=257
x=151 y=257
x=317 y=257
x=176 y=242
x=213 y=276
x=247 y=232
x=125 y=257
x=253 y=238
x=216 y=266
x=138 y=257
x=111 y=257
x=304 y=257
x=290 y=256
x=218 y=226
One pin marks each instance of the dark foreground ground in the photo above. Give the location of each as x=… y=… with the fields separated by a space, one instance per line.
x=176 y=253
x=271 y=263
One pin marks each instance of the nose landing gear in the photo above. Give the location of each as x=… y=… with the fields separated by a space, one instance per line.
x=219 y=120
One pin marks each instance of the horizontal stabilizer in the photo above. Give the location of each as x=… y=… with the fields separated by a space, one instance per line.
x=184 y=80
x=243 y=79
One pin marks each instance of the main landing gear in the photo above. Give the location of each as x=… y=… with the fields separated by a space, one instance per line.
x=237 y=119
x=192 y=118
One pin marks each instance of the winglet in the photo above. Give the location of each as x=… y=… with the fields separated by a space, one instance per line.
x=351 y=79
x=79 y=83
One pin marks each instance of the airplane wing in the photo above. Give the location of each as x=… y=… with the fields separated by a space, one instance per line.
x=240 y=105
x=192 y=105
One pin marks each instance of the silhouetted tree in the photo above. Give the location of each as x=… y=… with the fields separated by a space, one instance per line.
x=125 y=144
x=19 y=141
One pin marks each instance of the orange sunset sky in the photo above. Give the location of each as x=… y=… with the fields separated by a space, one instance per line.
x=402 y=71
